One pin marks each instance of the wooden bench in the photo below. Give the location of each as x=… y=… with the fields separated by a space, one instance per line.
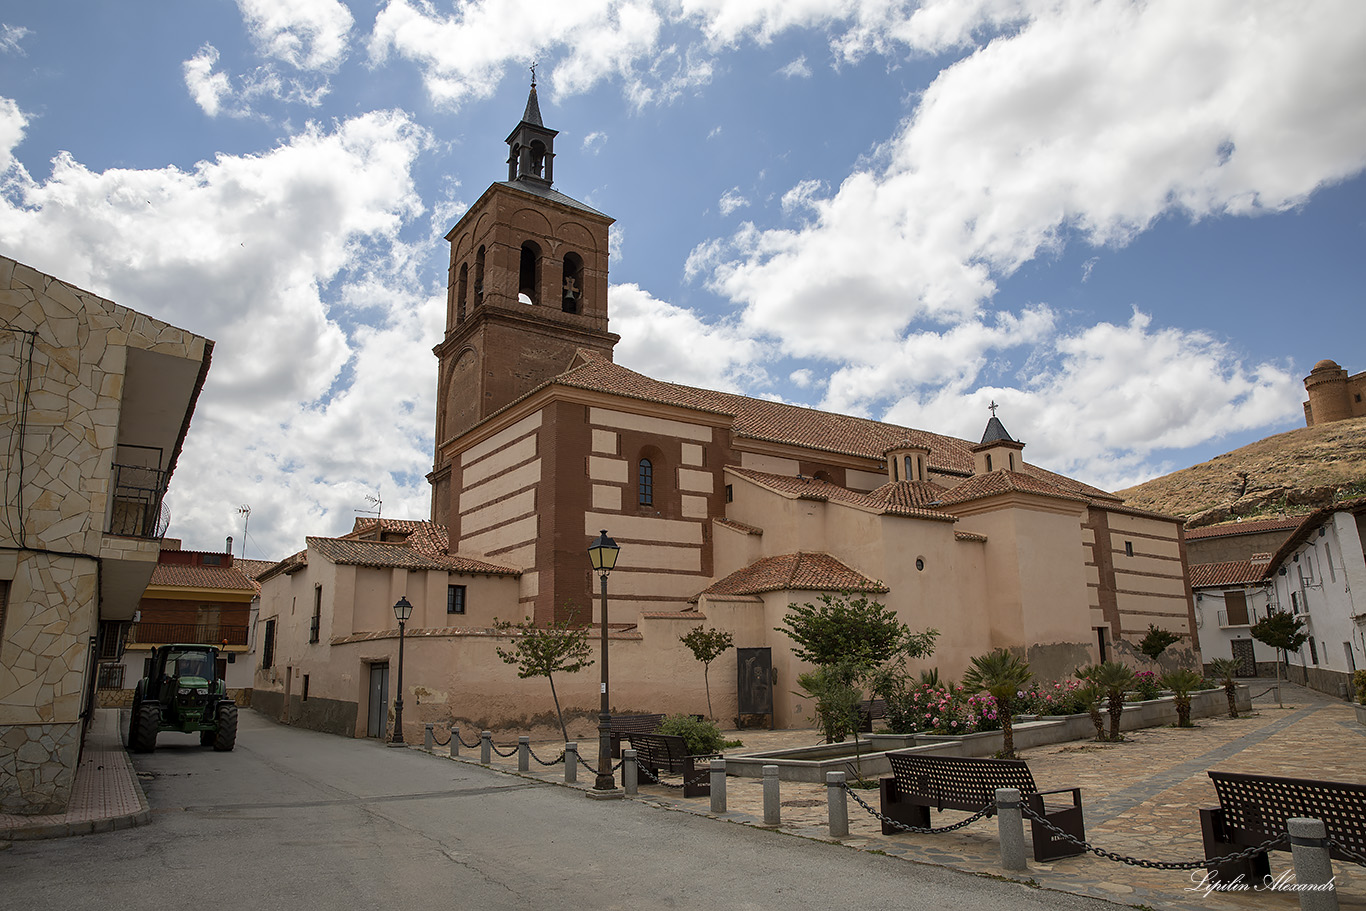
x=1254 y=808
x=871 y=710
x=668 y=753
x=921 y=782
x=621 y=725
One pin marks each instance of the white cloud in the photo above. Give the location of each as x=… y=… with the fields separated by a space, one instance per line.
x=13 y=122
x=594 y=141
x=290 y=260
x=306 y=34
x=732 y=200
x=672 y=343
x=11 y=37
x=803 y=378
x=797 y=69
x=207 y=88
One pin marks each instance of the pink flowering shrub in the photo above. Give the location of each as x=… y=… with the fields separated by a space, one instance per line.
x=1147 y=685
x=1061 y=697
x=940 y=710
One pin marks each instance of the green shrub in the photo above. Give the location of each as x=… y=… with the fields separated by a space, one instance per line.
x=1147 y=685
x=1360 y=679
x=700 y=736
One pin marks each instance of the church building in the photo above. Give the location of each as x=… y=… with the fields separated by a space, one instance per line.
x=727 y=508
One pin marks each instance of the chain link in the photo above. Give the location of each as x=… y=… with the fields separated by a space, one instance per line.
x=656 y=779
x=468 y=746
x=594 y=769
x=556 y=761
x=887 y=820
x=509 y=754
x=1353 y=856
x=442 y=743
x=1246 y=854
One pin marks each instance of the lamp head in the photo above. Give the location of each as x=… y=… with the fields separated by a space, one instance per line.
x=603 y=553
x=403 y=610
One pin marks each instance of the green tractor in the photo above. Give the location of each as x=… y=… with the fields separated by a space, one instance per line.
x=183 y=693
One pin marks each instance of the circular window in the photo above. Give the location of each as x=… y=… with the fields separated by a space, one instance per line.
x=920 y=564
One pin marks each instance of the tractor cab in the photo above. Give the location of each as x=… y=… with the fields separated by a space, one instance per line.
x=183 y=693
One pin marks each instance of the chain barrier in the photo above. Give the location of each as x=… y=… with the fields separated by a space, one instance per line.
x=1246 y=854
x=1353 y=856
x=887 y=820
x=556 y=761
x=1264 y=692
x=656 y=779
x=468 y=746
x=508 y=755
x=442 y=743
x=594 y=769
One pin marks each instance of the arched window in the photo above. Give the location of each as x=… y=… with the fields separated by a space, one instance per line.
x=573 y=283
x=461 y=289
x=988 y=461
x=529 y=281
x=537 y=158
x=909 y=473
x=479 y=276
x=647 y=483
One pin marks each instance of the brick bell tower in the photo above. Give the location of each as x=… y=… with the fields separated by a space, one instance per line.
x=527 y=288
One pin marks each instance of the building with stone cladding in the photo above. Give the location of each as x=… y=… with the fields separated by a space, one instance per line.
x=96 y=400
x=1333 y=395
x=727 y=509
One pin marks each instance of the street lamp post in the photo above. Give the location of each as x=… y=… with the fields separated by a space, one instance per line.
x=402 y=611
x=603 y=553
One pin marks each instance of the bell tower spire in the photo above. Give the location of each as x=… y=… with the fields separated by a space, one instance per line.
x=531 y=146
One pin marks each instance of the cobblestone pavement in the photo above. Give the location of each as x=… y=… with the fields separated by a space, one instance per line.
x=1141 y=799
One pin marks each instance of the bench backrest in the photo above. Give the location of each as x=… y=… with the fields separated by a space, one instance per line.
x=1260 y=805
x=959 y=782
x=645 y=724
x=658 y=750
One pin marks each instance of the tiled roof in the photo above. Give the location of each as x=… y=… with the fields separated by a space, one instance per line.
x=1248 y=527
x=252 y=568
x=969 y=536
x=801 y=571
x=815 y=489
x=908 y=495
x=550 y=193
x=1002 y=481
x=429 y=540
x=351 y=552
x=1230 y=572
x=182 y=575
x=738 y=526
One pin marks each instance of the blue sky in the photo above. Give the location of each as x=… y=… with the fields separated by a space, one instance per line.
x=1134 y=226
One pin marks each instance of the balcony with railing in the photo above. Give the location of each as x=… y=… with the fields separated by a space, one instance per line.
x=138 y=492
x=1240 y=618
x=201 y=633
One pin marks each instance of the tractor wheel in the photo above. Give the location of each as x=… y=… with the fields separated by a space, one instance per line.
x=226 y=735
x=143 y=737
x=206 y=738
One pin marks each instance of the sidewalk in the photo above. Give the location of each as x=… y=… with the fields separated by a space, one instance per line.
x=1141 y=799
x=106 y=795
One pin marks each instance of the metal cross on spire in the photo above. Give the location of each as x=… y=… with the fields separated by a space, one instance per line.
x=533 y=74
x=993 y=406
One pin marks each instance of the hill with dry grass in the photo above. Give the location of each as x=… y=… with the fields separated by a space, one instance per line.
x=1289 y=473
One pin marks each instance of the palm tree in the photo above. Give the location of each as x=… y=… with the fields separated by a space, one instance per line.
x=1114 y=678
x=1092 y=694
x=1225 y=670
x=1002 y=675
x=1181 y=682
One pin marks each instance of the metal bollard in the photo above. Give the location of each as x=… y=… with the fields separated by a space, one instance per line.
x=1010 y=826
x=455 y=740
x=1313 y=865
x=524 y=753
x=837 y=803
x=571 y=762
x=772 y=804
x=486 y=747
x=428 y=739
x=718 y=786
x=629 y=772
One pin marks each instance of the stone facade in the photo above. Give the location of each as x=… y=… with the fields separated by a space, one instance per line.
x=100 y=397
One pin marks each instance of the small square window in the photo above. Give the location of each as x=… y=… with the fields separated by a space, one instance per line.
x=455 y=599
x=1128 y=548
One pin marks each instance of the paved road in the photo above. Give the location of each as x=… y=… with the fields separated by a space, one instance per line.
x=296 y=819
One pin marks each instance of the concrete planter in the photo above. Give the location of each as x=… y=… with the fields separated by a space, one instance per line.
x=1361 y=712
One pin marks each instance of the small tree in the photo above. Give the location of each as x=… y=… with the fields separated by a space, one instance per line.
x=706 y=646
x=837 y=693
x=846 y=627
x=1113 y=679
x=1156 y=640
x=1283 y=632
x=1226 y=669
x=1002 y=675
x=543 y=651
x=1182 y=682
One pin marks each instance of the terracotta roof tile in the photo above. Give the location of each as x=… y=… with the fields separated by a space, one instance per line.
x=1248 y=527
x=738 y=526
x=801 y=571
x=1231 y=572
x=252 y=568
x=429 y=540
x=1002 y=481
x=182 y=575
x=815 y=489
x=908 y=495
x=969 y=536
